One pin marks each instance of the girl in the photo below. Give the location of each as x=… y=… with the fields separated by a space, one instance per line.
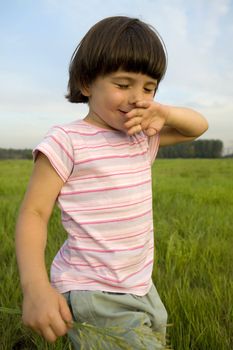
x=99 y=171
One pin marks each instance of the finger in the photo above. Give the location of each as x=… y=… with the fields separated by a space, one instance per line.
x=134 y=130
x=151 y=131
x=58 y=326
x=69 y=324
x=49 y=334
x=145 y=123
x=133 y=122
x=65 y=312
x=143 y=104
x=136 y=112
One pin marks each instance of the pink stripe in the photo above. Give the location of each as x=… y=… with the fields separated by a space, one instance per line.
x=105 y=189
x=120 y=238
x=107 y=208
x=77 y=264
x=107 y=250
x=128 y=276
x=62 y=281
x=136 y=171
x=138 y=142
x=87 y=133
x=117 y=268
x=51 y=159
x=97 y=284
x=110 y=157
x=128 y=218
x=61 y=145
x=111 y=279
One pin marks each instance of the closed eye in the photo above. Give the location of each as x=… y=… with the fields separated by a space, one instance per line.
x=149 y=90
x=123 y=86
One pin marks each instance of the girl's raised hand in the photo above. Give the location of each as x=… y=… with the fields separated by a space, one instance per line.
x=147 y=116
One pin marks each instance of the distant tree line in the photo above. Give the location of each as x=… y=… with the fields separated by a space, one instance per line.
x=195 y=149
x=12 y=153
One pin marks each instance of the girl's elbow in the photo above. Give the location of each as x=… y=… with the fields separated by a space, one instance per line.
x=205 y=126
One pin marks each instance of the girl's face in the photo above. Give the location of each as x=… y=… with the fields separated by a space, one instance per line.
x=114 y=95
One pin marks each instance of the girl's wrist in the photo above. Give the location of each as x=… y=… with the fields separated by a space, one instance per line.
x=165 y=113
x=34 y=284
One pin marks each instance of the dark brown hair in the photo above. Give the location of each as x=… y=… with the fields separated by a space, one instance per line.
x=115 y=43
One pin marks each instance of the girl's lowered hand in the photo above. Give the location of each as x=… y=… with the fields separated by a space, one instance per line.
x=46 y=311
x=147 y=116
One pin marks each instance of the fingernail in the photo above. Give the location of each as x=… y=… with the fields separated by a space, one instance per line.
x=151 y=131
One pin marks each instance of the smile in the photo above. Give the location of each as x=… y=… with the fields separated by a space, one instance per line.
x=124 y=112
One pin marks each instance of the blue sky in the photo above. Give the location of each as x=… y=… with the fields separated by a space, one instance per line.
x=39 y=37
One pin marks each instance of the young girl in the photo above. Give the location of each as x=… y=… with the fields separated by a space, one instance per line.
x=99 y=171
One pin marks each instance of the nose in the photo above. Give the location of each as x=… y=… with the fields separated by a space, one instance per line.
x=135 y=95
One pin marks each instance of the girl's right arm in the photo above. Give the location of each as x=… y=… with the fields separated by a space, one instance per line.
x=44 y=309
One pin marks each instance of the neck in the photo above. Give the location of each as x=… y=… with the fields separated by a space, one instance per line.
x=96 y=120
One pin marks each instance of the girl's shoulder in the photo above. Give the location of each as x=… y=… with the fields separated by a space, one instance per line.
x=80 y=127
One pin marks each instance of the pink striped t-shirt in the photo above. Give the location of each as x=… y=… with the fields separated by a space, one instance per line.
x=106 y=208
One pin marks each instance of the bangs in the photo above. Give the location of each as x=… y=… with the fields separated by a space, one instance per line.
x=134 y=52
x=132 y=47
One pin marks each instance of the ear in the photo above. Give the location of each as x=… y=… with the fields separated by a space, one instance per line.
x=86 y=91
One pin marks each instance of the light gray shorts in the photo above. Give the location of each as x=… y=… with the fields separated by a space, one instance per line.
x=127 y=311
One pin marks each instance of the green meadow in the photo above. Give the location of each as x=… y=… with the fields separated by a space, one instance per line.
x=193 y=271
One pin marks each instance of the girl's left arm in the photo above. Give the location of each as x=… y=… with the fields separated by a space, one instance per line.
x=174 y=124
x=181 y=125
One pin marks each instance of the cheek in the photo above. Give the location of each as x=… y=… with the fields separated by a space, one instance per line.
x=150 y=97
x=119 y=95
x=115 y=99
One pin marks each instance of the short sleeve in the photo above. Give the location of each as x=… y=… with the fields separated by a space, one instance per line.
x=153 y=142
x=57 y=147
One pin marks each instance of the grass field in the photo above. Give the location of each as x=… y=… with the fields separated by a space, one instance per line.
x=193 y=202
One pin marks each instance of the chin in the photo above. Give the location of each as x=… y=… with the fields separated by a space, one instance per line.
x=121 y=128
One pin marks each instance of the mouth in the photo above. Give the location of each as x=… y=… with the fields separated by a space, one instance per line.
x=124 y=111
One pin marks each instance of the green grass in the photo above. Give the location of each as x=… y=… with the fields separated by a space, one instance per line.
x=194 y=252
x=194 y=244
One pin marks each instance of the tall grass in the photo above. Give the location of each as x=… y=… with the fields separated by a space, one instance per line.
x=194 y=245
x=194 y=252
